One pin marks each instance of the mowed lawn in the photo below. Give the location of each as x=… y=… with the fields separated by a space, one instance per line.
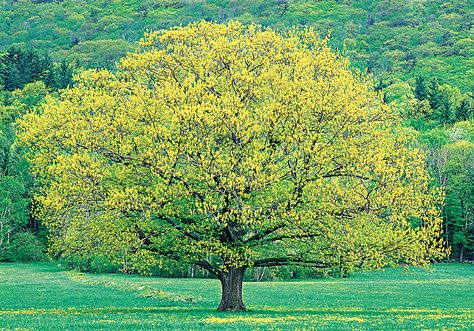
x=45 y=297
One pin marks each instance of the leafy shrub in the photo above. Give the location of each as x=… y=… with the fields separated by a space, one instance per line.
x=24 y=247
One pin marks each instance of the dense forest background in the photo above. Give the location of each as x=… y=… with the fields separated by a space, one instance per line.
x=419 y=52
x=396 y=40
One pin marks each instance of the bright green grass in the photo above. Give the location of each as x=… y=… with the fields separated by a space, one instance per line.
x=43 y=296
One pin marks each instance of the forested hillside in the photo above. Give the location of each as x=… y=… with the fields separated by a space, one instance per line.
x=395 y=39
x=420 y=53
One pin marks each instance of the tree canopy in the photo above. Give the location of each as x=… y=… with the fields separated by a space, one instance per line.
x=232 y=146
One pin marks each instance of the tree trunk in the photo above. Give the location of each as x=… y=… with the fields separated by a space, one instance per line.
x=231 y=282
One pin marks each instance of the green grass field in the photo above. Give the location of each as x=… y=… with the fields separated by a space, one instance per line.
x=43 y=296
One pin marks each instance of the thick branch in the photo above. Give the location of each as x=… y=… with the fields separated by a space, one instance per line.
x=262 y=234
x=181 y=229
x=272 y=262
x=298 y=236
x=207 y=266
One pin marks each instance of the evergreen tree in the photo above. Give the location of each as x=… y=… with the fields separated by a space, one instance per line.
x=50 y=75
x=64 y=75
x=420 y=91
x=434 y=95
x=463 y=111
x=444 y=114
x=10 y=75
x=19 y=67
x=439 y=103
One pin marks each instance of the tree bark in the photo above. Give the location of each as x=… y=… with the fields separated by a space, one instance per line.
x=231 y=282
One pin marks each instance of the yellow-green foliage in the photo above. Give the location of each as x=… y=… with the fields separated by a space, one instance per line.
x=232 y=145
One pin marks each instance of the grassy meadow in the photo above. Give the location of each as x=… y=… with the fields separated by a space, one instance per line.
x=45 y=297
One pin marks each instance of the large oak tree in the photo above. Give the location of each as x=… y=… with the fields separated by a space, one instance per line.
x=232 y=146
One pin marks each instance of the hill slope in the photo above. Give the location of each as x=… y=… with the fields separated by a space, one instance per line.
x=395 y=39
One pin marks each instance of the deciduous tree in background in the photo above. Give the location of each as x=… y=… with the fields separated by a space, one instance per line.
x=232 y=146
x=17 y=229
x=451 y=161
